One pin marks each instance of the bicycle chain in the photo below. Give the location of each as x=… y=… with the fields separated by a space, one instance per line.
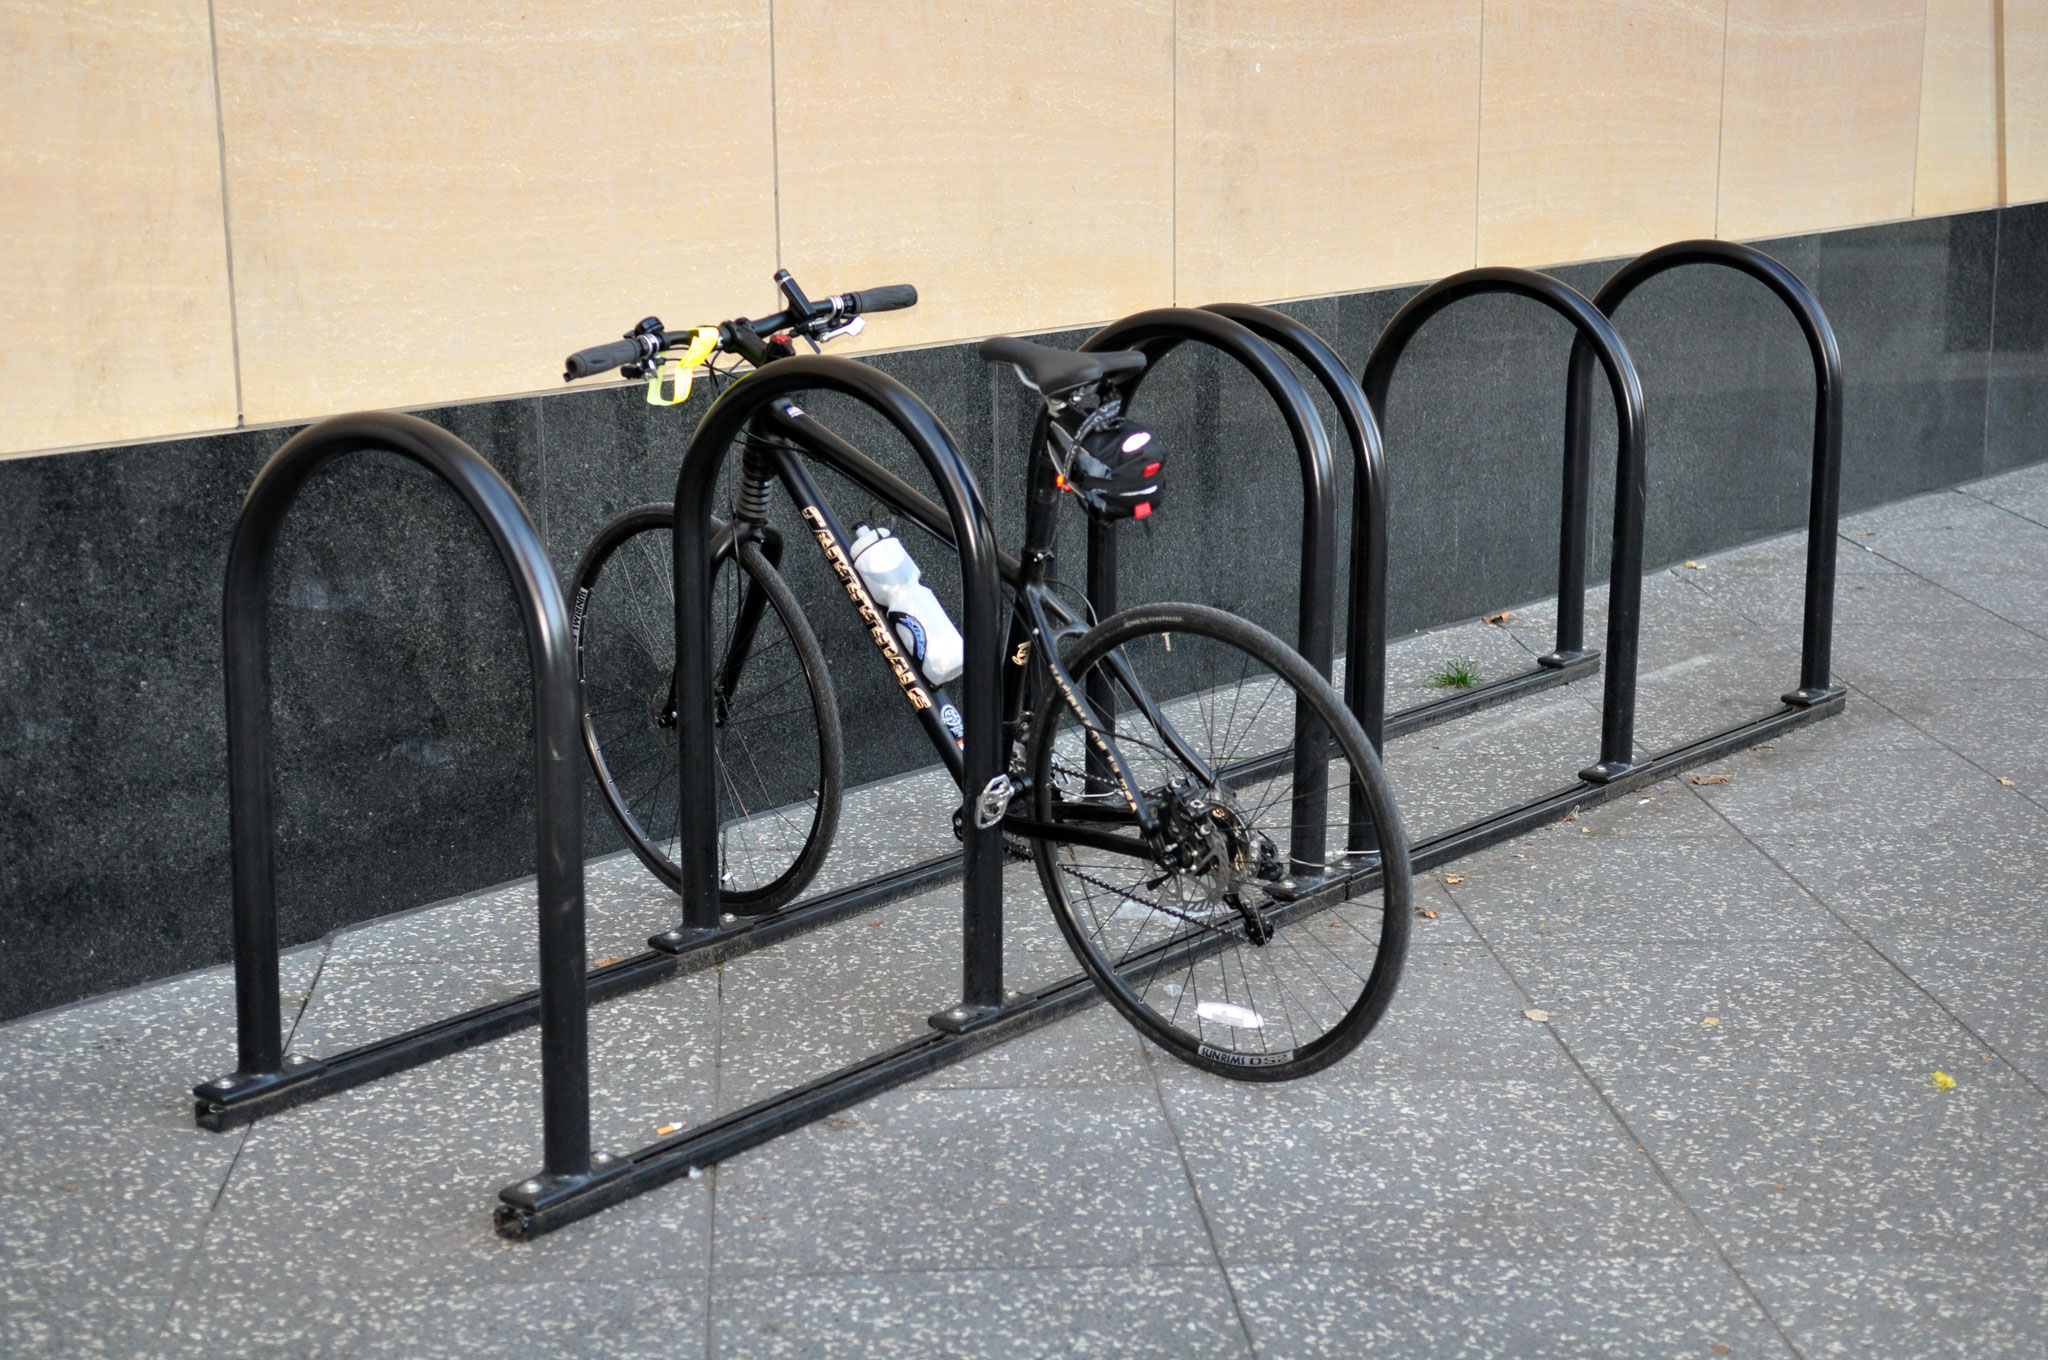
x=1256 y=928
x=1124 y=892
x=1130 y=896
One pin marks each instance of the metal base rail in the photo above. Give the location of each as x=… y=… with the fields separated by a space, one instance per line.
x=531 y=1209
x=310 y=1078
x=1542 y=676
x=1505 y=826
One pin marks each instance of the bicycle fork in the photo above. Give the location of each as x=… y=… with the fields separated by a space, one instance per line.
x=749 y=527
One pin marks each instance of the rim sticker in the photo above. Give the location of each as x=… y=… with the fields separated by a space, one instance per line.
x=1227 y=1013
x=1246 y=1059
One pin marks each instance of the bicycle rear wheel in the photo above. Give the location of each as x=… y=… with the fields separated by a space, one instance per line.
x=780 y=761
x=1248 y=945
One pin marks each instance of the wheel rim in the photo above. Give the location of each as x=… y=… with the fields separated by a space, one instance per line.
x=767 y=740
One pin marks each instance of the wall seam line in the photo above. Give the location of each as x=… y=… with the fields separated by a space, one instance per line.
x=1919 y=115
x=227 y=231
x=774 y=138
x=1721 y=118
x=1478 y=133
x=540 y=453
x=1998 y=92
x=1173 y=188
x=1991 y=332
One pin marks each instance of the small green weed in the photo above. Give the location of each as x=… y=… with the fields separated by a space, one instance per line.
x=1459 y=674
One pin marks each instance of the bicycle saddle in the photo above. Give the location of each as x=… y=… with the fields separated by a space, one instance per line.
x=1053 y=371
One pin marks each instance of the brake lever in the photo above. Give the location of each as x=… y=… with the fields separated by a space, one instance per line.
x=853 y=325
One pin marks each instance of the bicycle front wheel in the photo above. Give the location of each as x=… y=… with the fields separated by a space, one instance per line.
x=777 y=737
x=1247 y=943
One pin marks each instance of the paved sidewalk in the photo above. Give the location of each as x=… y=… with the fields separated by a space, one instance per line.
x=1726 y=1138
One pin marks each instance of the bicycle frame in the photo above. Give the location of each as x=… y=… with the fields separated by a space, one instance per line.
x=1040 y=622
x=1039 y=619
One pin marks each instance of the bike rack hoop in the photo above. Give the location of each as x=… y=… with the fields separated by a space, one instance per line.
x=1157 y=333
x=540 y=1203
x=1824 y=500
x=263 y=1080
x=1625 y=586
x=973 y=538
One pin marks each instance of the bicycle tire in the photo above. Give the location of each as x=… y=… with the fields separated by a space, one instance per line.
x=1268 y=979
x=625 y=657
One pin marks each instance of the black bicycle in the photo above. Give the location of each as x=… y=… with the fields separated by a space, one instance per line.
x=1212 y=827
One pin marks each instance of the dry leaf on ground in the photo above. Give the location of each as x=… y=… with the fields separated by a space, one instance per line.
x=2009 y=783
x=1710 y=779
x=1454 y=878
x=1538 y=1016
x=1711 y=1021
x=1425 y=911
x=1500 y=618
x=1692 y=566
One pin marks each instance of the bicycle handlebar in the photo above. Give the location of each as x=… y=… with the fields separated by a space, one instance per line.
x=586 y=363
x=893 y=298
x=815 y=320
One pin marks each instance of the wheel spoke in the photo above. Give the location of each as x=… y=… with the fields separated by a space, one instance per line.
x=1203 y=957
x=771 y=755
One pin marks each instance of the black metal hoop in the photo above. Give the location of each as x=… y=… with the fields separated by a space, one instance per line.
x=263 y=1082
x=1824 y=500
x=1625 y=585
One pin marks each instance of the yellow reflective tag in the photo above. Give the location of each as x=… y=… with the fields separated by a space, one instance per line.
x=678 y=373
x=701 y=346
x=678 y=378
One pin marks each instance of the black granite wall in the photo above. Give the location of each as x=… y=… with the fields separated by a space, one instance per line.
x=402 y=709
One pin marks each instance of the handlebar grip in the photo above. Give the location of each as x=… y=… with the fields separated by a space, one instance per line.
x=585 y=363
x=893 y=298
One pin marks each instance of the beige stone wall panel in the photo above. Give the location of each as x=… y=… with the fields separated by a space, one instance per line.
x=1324 y=147
x=1821 y=119
x=2026 y=100
x=110 y=223
x=1957 y=166
x=1011 y=158
x=1599 y=127
x=439 y=199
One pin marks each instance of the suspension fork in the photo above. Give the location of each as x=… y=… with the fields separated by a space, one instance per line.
x=725 y=543
x=750 y=526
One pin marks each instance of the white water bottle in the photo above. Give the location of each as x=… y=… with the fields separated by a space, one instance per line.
x=892 y=578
